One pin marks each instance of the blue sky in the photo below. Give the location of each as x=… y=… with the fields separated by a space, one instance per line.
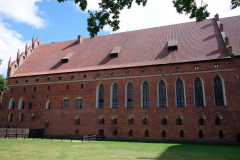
x=51 y=21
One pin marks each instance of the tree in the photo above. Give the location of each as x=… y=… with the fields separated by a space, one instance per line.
x=109 y=11
x=3 y=83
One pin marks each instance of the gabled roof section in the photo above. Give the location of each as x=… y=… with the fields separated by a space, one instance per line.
x=195 y=41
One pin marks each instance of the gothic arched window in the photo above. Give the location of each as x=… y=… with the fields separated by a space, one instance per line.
x=145 y=95
x=218 y=91
x=198 y=92
x=162 y=99
x=115 y=95
x=129 y=95
x=180 y=97
x=100 y=96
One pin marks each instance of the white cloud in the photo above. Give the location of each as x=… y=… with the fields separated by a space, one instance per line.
x=160 y=13
x=24 y=11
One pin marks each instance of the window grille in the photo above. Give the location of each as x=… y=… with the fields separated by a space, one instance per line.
x=115 y=95
x=130 y=95
x=145 y=95
x=127 y=73
x=101 y=96
x=79 y=103
x=216 y=65
x=177 y=69
x=162 y=94
x=196 y=68
x=112 y=74
x=65 y=103
x=160 y=71
x=218 y=91
x=180 y=93
x=143 y=72
x=198 y=91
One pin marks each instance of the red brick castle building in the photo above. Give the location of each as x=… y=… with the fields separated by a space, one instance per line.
x=172 y=82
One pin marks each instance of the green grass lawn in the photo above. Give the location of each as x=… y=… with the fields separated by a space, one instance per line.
x=47 y=149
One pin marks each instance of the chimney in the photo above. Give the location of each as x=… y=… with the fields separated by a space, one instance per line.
x=80 y=38
x=217 y=17
x=229 y=49
x=221 y=27
x=18 y=54
x=9 y=62
x=33 y=40
x=226 y=41
x=26 y=47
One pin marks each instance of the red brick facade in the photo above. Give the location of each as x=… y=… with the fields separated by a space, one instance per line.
x=62 y=121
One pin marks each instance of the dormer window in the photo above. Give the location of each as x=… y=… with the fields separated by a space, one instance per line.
x=172 y=45
x=115 y=52
x=67 y=58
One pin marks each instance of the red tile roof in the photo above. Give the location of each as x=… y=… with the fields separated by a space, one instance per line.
x=196 y=42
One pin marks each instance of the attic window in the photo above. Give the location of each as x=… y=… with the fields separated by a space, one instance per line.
x=115 y=52
x=67 y=58
x=172 y=45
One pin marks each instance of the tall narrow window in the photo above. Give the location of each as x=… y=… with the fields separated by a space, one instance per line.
x=181 y=134
x=65 y=103
x=21 y=104
x=164 y=120
x=48 y=104
x=20 y=117
x=218 y=120
x=198 y=92
x=30 y=105
x=100 y=96
x=218 y=91
x=11 y=104
x=221 y=135
x=179 y=120
x=162 y=100
x=180 y=97
x=146 y=133
x=163 y=133
x=144 y=120
x=200 y=134
x=78 y=103
x=202 y=120
x=129 y=95
x=9 y=117
x=130 y=133
x=114 y=120
x=145 y=95
x=46 y=124
x=115 y=95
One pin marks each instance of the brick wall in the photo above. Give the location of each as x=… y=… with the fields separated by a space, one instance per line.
x=62 y=121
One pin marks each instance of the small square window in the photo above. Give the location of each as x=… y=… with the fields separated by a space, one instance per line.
x=85 y=76
x=72 y=77
x=160 y=71
x=48 y=79
x=216 y=66
x=60 y=78
x=143 y=72
x=196 y=68
x=178 y=69
x=112 y=74
x=26 y=81
x=98 y=75
x=16 y=81
x=127 y=73
x=37 y=80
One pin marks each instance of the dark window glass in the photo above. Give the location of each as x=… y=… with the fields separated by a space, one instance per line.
x=130 y=132
x=143 y=72
x=60 y=78
x=37 y=80
x=115 y=95
x=196 y=68
x=48 y=88
x=20 y=117
x=180 y=93
x=146 y=133
x=85 y=76
x=198 y=89
x=72 y=77
x=35 y=89
x=16 y=81
x=81 y=86
x=163 y=133
x=181 y=134
x=101 y=96
x=112 y=74
x=127 y=73
x=65 y=103
x=160 y=71
x=221 y=135
x=79 y=103
x=98 y=75
x=130 y=95
x=145 y=94
x=218 y=91
x=178 y=69
x=216 y=66
x=11 y=90
x=30 y=105
x=24 y=89
x=48 y=79
x=162 y=94
x=200 y=134
x=67 y=87
x=26 y=81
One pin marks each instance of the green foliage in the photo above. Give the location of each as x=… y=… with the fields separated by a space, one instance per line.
x=3 y=83
x=109 y=10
